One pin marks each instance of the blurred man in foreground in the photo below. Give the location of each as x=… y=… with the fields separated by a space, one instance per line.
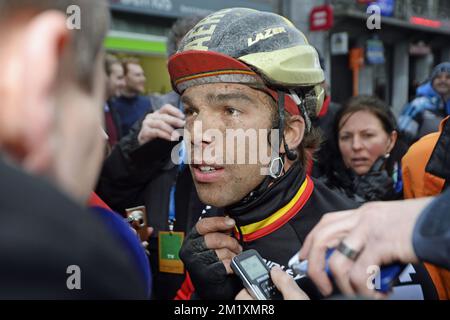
x=51 y=148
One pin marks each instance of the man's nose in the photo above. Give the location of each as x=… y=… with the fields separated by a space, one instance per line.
x=200 y=138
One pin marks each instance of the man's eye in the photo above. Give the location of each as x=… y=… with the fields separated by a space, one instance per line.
x=232 y=111
x=189 y=112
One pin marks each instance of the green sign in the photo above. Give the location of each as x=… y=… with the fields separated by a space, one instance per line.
x=133 y=44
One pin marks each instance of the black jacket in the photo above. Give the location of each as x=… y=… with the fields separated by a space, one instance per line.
x=279 y=240
x=376 y=185
x=278 y=247
x=290 y=207
x=439 y=163
x=42 y=233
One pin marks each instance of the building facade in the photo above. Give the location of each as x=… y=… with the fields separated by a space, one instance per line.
x=399 y=41
x=139 y=28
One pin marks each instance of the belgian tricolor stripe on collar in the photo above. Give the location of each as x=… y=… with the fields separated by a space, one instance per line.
x=282 y=216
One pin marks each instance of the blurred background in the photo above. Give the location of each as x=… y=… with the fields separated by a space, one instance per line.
x=389 y=62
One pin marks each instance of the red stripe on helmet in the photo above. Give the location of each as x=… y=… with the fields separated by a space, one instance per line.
x=193 y=64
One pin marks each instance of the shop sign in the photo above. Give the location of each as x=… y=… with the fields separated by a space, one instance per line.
x=339 y=43
x=321 y=18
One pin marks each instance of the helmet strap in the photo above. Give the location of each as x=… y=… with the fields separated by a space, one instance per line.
x=276 y=168
x=301 y=103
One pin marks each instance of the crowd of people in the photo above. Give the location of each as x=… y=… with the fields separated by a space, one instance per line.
x=89 y=180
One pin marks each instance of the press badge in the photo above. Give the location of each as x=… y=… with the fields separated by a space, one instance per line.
x=169 y=244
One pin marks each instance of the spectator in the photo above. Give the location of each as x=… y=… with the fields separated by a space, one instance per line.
x=425 y=165
x=364 y=159
x=51 y=150
x=115 y=84
x=423 y=114
x=132 y=105
x=141 y=172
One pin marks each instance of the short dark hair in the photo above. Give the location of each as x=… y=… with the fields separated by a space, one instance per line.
x=111 y=60
x=127 y=61
x=179 y=30
x=311 y=140
x=371 y=104
x=86 y=42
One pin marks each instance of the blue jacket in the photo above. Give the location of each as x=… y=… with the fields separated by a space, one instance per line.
x=130 y=110
x=423 y=115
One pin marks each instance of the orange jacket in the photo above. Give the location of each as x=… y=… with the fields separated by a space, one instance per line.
x=418 y=183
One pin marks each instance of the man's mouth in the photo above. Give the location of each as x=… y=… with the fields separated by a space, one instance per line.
x=206 y=168
x=204 y=173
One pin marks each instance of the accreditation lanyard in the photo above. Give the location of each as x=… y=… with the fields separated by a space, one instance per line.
x=181 y=160
x=181 y=155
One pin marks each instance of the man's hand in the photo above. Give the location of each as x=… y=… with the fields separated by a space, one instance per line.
x=285 y=284
x=207 y=253
x=217 y=237
x=380 y=231
x=161 y=124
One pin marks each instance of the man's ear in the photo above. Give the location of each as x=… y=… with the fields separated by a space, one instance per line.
x=46 y=41
x=294 y=132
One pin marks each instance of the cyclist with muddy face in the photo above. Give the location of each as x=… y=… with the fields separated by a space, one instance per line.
x=242 y=71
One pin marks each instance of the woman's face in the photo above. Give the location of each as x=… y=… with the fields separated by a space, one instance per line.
x=362 y=140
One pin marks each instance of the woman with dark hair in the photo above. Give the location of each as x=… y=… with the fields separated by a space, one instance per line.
x=365 y=154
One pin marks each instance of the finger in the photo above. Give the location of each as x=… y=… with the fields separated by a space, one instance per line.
x=328 y=236
x=217 y=240
x=147 y=134
x=227 y=265
x=161 y=125
x=325 y=222
x=333 y=229
x=286 y=285
x=171 y=110
x=214 y=224
x=317 y=272
x=225 y=254
x=171 y=120
x=174 y=135
x=340 y=266
x=167 y=136
x=244 y=295
x=364 y=275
